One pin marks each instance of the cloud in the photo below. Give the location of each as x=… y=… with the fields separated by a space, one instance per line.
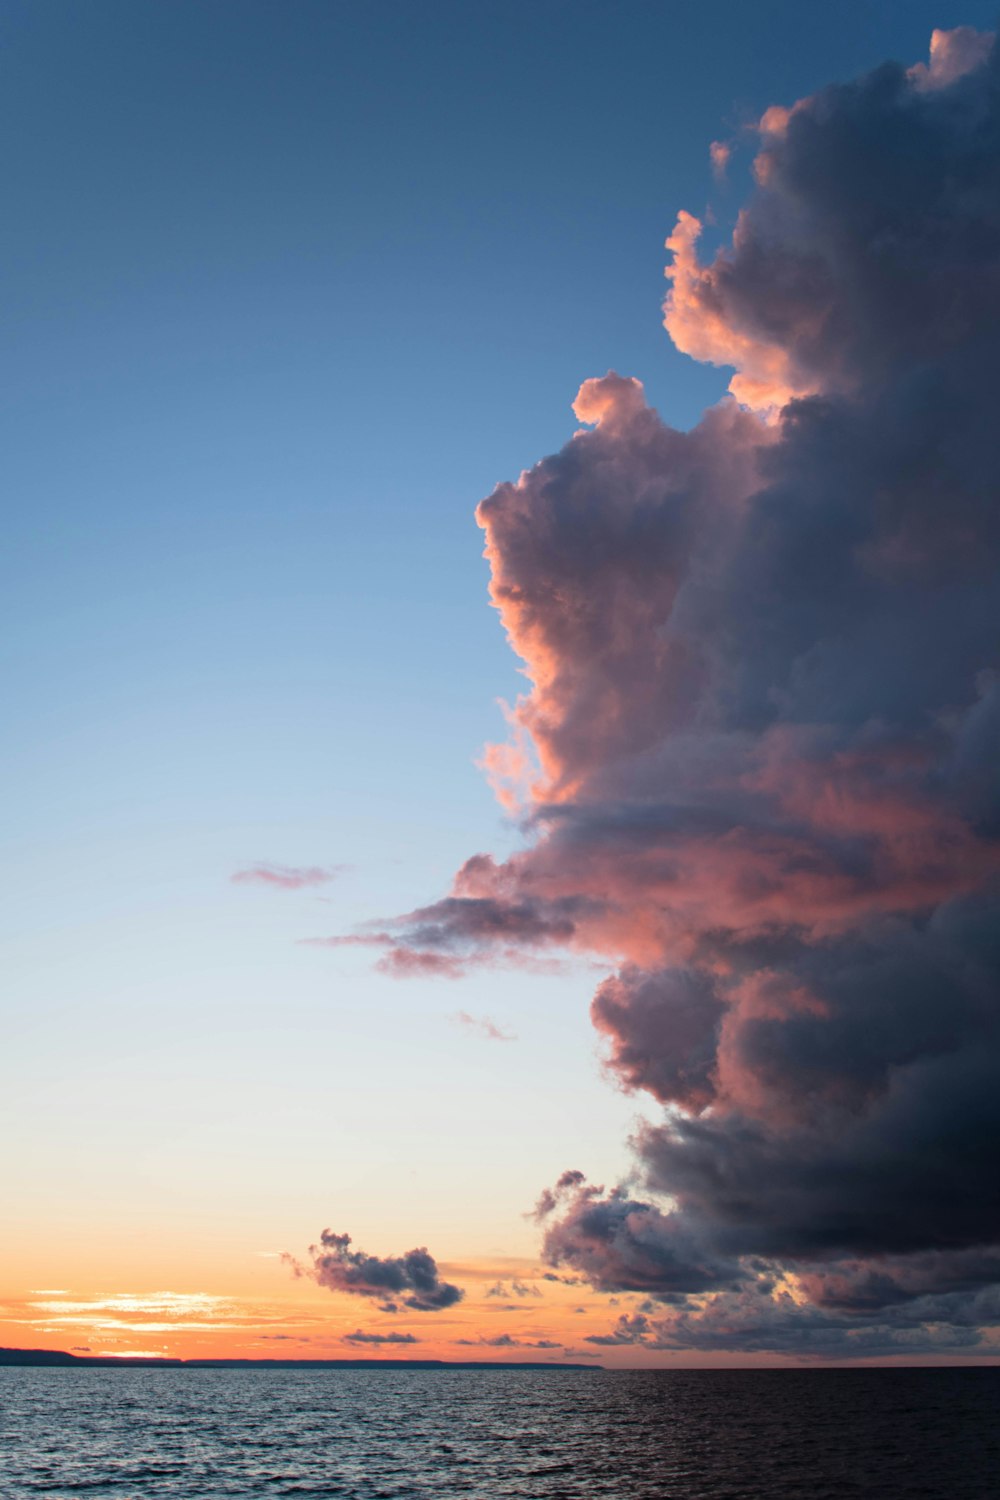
x=133 y=1313
x=507 y=1341
x=622 y=1244
x=550 y=1198
x=505 y=1291
x=953 y=54
x=627 y=1330
x=359 y=1337
x=415 y=947
x=765 y=1318
x=719 y=153
x=757 y=761
x=827 y=284
x=483 y=1026
x=287 y=877
x=413 y=1277
x=467 y=928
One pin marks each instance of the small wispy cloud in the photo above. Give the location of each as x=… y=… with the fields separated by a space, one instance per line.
x=483 y=1026
x=719 y=153
x=507 y=1341
x=287 y=877
x=131 y=1313
x=505 y=1290
x=360 y=1337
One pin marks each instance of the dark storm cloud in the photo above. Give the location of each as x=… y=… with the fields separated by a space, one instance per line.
x=758 y=763
x=662 y=1029
x=766 y=1320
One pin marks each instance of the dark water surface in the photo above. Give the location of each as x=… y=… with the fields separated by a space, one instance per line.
x=684 y=1435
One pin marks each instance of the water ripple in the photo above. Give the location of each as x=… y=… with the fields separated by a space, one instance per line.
x=188 y=1434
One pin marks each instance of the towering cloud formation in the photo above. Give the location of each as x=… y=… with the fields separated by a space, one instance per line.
x=759 y=761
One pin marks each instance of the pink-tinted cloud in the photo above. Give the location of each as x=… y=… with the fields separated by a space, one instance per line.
x=794 y=304
x=756 y=760
x=700 y=323
x=952 y=55
x=447 y=938
x=719 y=153
x=287 y=877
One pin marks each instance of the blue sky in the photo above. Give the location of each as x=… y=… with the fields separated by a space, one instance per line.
x=287 y=289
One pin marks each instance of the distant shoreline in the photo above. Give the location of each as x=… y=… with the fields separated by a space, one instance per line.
x=61 y=1359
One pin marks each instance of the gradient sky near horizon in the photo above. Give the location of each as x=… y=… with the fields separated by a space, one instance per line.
x=288 y=288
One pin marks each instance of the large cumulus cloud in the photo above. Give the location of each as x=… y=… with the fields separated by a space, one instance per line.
x=758 y=762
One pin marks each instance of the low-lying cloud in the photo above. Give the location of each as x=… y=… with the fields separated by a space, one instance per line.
x=412 y=1278
x=360 y=1337
x=506 y=1341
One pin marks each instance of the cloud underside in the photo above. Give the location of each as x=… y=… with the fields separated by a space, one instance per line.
x=758 y=763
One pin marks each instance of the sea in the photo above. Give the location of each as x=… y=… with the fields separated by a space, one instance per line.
x=574 y=1434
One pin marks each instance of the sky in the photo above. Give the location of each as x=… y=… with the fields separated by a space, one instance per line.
x=701 y=963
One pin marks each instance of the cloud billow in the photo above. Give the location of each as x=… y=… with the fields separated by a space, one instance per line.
x=758 y=763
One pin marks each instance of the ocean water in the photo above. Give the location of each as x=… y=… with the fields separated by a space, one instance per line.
x=365 y=1435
